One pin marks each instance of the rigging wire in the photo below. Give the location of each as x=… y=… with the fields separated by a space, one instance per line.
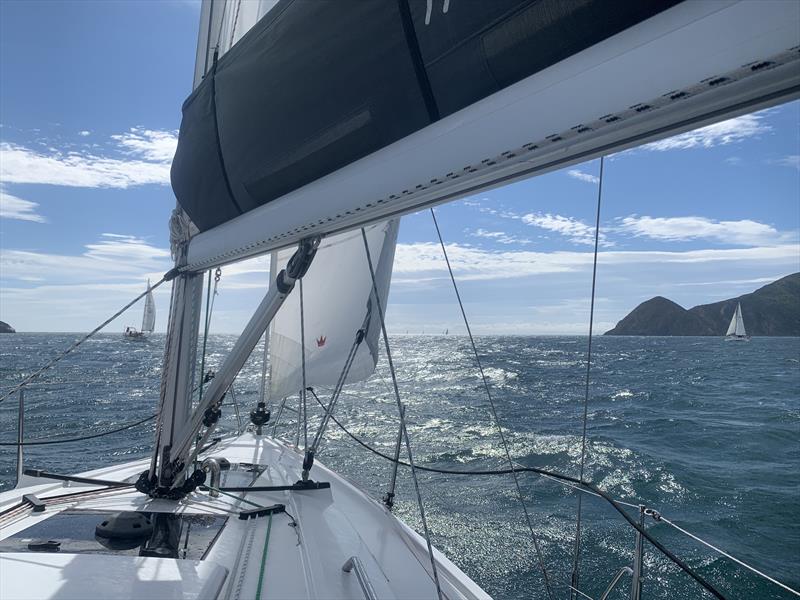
x=235 y=21
x=210 y=298
x=401 y=412
x=81 y=438
x=590 y=488
x=535 y=540
x=168 y=276
x=303 y=368
x=205 y=337
x=726 y=555
x=576 y=559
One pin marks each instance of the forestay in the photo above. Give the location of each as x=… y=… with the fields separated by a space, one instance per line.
x=337 y=302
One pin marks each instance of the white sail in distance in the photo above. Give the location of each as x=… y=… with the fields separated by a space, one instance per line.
x=149 y=316
x=337 y=301
x=736 y=326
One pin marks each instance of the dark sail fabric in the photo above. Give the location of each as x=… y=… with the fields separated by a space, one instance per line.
x=314 y=86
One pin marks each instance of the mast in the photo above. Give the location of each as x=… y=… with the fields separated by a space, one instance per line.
x=180 y=350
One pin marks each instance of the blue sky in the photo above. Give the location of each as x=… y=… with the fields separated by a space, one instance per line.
x=90 y=100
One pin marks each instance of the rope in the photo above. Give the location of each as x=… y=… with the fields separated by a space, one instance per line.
x=559 y=477
x=263 y=560
x=401 y=412
x=726 y=555
x=80 y=439
x=577 y=554
x=539 y=555
x=30 y=378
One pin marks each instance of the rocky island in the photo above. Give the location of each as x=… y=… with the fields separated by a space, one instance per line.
x=6 y=328
x=773 y=310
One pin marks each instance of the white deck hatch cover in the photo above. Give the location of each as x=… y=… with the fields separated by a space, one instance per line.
x=46 y=576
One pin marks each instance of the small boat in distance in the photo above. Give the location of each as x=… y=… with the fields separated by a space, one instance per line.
x=736 y=331
x=148 y=318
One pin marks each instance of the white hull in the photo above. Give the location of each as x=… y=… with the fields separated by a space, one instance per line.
x=305 y=561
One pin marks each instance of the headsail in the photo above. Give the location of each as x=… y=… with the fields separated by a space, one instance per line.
x=337 y=302
x=149 y=316
x=737 y=323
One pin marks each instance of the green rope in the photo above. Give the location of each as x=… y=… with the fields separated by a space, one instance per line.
x=263 y=560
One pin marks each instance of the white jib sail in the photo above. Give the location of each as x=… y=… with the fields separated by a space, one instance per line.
x=337 y=298
x=737 y=323
x=149 y=316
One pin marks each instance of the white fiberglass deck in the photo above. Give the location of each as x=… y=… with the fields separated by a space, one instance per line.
x=305 y=552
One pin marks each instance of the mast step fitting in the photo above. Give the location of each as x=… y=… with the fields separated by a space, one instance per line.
x=147 y=485
x=262 y=512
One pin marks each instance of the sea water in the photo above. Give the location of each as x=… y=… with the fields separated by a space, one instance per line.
x=705 y=431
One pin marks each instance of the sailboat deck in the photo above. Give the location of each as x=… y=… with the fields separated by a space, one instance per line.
x=299 y=553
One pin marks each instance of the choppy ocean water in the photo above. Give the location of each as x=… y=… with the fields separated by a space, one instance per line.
x=707 y=432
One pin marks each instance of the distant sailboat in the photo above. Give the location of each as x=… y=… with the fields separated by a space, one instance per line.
x=736 y=329
x=148 y=317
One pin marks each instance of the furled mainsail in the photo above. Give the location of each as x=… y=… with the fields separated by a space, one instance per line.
x=315 y=86
x=337 y=301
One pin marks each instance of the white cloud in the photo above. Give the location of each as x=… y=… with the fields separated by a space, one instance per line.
x=500 y=237
x=12 y=207
x=113 y=257
x=792 y=161
x=744 y=232
x=153 y=145
x=423 y=261
x=576 y=231
x=580 y=175
x=718 y=134
x=149 y=155
x=84 y=133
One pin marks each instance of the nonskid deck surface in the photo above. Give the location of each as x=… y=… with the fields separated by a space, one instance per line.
x=298 y=553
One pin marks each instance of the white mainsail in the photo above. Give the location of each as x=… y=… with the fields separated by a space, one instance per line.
x=149 y=316
x=736 y=327
x=337 y=299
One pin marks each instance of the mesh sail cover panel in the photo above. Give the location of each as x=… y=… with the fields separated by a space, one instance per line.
x=314 y=86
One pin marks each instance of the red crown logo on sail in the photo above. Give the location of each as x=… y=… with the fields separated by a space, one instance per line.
x=321 y=341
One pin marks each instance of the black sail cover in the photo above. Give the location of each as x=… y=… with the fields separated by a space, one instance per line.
x=316 y=85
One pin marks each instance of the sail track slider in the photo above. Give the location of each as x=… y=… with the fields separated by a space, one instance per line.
x=37 y=504
x=265 y=511
x=300 y=486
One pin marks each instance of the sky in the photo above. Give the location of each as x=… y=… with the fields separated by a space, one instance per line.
x=90 y=97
